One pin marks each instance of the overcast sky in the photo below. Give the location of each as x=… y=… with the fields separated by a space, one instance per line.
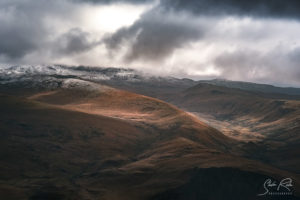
x=257 y=40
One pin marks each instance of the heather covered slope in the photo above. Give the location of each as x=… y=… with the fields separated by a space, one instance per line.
x=249 y=116
x=146 y=111
x=70 y=143
x=65 y=136
x=273 y=124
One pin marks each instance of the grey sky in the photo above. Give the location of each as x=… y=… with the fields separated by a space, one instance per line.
x=241 y=40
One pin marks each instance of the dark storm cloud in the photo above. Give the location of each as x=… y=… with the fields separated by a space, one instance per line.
x=114 y=1
x=187 y=36
x=25 y=29
x=21 y=30
x=72 y=42
x=155 y=36
x=16 y=41
x=260 y=8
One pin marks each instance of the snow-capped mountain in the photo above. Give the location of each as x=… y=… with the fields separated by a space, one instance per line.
x=23 y=72
x=54 y=76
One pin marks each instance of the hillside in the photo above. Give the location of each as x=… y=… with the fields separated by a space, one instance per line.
x=272 y=123
x=255 y=87
x=86 y=133
x=85 y=141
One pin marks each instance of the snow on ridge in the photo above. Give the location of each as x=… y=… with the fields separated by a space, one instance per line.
x=85 y=85
x=72 y=83
x=17 y=71
x=27 y=70
x=37 y=73
x=62 y=70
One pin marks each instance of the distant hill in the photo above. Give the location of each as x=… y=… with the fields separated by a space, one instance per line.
x=247 y=115
x=255 y=87
x=124 y=78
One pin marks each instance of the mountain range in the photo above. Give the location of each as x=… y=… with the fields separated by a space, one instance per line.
x=113 y=133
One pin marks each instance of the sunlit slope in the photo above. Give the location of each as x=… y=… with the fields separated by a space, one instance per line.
x=149 y=113
x=96 y=142
x=246 y=111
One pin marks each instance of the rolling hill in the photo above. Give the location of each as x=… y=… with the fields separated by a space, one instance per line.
x=273 y=124
x=66 y=137
x=254 y=87
x=89 y=141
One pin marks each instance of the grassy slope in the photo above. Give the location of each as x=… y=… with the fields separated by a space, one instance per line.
x=274 y=121
x=80 y=147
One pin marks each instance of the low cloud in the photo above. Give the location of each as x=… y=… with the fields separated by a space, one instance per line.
x=275 y=66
